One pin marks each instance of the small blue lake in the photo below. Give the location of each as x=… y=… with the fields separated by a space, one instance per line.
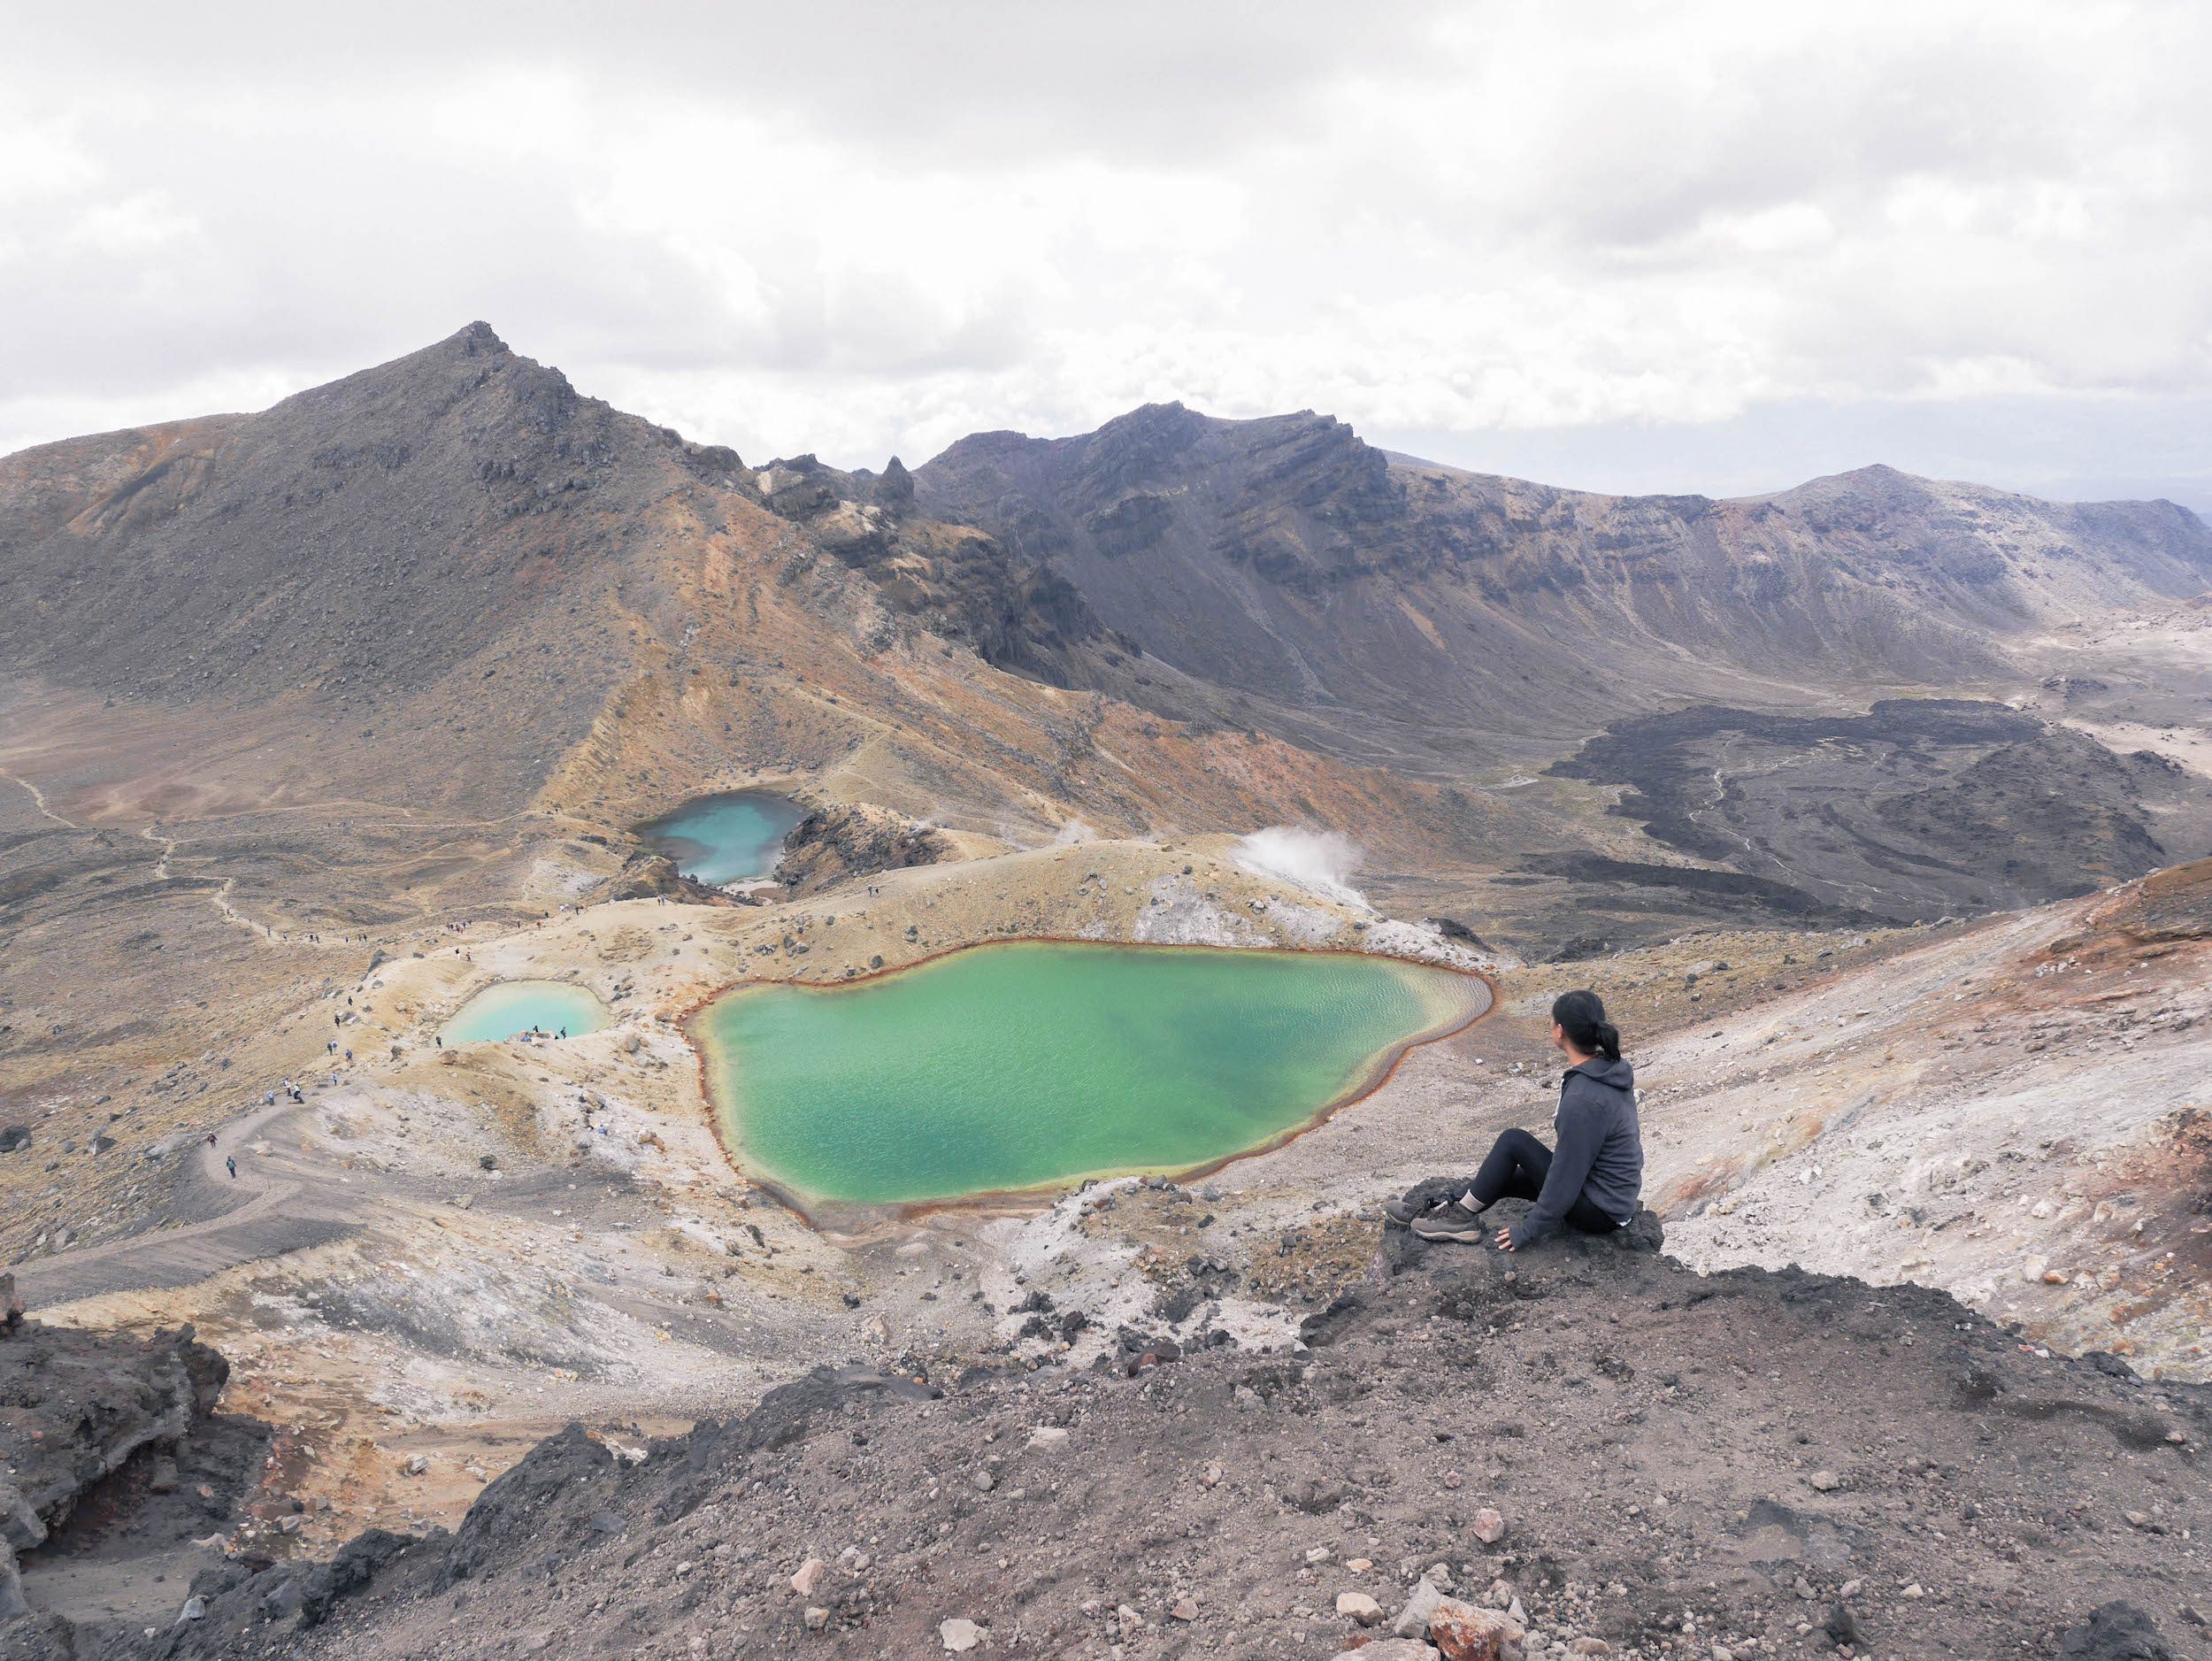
x=550 y=1008
x=735 y=836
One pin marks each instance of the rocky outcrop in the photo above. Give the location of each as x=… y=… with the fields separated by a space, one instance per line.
x=647 y=875
x=1016 y=614
x=74 y=1407
x=834 y=845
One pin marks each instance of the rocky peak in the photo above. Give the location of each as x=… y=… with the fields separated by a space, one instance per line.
x=894 y=488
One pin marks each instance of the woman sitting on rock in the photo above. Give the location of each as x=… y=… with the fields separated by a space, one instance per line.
x=1591 y=1183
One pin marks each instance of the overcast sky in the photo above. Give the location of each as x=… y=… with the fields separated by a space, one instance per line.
x=1679 y=246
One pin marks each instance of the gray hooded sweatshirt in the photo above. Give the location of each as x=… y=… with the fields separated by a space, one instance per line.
x=1601 y=1153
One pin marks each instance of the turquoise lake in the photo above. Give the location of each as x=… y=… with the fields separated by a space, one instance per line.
x=513 y=1007
x=1031 y=1064
x=732 y=837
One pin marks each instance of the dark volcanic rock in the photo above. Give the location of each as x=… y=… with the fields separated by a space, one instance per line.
x=1016 y=614
x=2117 y=1630
x=838 y=844
x=1457 y=1381
x=74 y=1407
x=645 y=876
x=1919 y=808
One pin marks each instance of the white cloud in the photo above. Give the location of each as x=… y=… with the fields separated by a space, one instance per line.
x=861 y=230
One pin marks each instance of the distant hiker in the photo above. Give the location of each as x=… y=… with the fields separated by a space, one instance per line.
x=439 y=1039
x=211 y=1139
x=349 y=1055
x=232 y=1162
x=1594 y=1180
x=564 y=1032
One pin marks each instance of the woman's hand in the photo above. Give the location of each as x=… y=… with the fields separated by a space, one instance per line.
x=1505 y=1240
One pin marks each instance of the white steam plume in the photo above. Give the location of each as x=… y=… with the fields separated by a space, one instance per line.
x=1320 y=861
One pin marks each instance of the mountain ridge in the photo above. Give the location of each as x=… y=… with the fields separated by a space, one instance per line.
x=455 y=578
x=1287 y=559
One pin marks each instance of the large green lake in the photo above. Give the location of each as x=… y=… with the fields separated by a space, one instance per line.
x=1032 y=1064
x=726 y=838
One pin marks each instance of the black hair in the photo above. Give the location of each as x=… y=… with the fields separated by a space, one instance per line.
x=1582 y=1015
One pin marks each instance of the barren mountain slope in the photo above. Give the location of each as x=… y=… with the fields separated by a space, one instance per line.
x=1465 y=617
x=455 y=525
x=2016 y=1112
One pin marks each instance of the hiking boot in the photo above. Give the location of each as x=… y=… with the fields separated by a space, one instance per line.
x=1454 y=1222
x=1398 y=1214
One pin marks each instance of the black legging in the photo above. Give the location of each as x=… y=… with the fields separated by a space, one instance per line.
x=1514 y=1169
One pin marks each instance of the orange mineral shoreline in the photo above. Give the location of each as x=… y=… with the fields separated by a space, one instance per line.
x=1030 y=1199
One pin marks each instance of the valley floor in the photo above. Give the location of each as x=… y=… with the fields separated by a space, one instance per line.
x=441 y=1256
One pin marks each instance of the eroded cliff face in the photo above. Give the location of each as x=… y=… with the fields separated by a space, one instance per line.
x=1016 y=615
x=74 y=1408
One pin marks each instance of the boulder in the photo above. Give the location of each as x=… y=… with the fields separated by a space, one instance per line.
x=1357 y=1606
x=1413 y=1619
x=1464 y=1632
x=357 y=1564
x=80 y=1403
x=2114 y=1631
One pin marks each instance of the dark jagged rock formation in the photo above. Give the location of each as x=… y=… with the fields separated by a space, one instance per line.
x=74 y=1408
x=1016 y=615
x=1606 y=1444
x=835 y=845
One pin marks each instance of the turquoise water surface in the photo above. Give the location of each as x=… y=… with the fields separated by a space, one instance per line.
x=500 y=1013
x=726 y=838
x=1034 y=1062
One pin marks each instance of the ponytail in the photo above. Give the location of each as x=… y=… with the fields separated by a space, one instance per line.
x=1581 y=1016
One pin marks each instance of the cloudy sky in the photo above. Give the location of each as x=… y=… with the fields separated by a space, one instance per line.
x=1681 y=246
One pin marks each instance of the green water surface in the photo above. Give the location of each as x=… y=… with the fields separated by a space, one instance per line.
x=500 y=1013
x=726 y=838
x=1030 y=1064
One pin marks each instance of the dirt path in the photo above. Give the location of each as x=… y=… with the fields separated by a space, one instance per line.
x=38 y=798
x=220 y=897
x=273 y=1206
